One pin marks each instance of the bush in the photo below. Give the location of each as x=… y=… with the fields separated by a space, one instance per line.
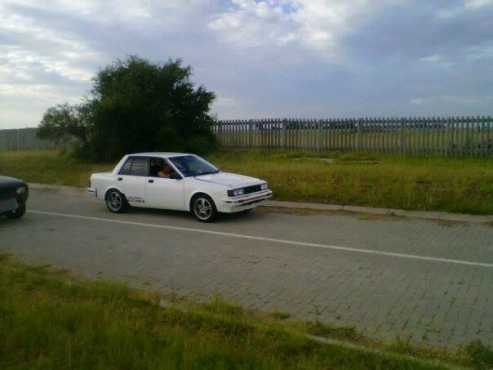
x=136 y=106
x=481 y=355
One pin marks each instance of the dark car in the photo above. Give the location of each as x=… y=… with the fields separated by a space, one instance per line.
x=13 y=197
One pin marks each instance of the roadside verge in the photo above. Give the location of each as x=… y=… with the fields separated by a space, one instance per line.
x=72 y=320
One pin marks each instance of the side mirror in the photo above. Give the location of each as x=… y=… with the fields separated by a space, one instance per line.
x=175 y=176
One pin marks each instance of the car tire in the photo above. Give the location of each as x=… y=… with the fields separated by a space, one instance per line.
x=203 y=208
x=17 y=213
x=116 y=201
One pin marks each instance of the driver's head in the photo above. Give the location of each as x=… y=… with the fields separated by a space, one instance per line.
x=166 y=169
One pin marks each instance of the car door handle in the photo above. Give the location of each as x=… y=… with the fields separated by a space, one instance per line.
x=120 y=179
x=151 y=181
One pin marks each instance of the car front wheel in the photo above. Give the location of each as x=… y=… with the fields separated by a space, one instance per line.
x=203 y=208
x=17 y=213
x=116 y=201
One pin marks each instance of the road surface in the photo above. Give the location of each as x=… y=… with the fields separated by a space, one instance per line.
x=387 y=276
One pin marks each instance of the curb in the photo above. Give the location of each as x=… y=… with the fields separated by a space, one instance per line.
x=423 y=215
x=74 y=190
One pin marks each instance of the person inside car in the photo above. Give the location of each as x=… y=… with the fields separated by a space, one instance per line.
x=165 y=171
x=155 y=166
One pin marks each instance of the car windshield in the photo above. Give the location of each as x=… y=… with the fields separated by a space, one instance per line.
x=190 y=165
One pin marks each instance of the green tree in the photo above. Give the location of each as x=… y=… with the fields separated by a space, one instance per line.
x=134 y=106
x=65 y=122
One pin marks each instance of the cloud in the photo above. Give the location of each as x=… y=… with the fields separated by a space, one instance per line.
x=476 y=4
x=461 y=103
x=310 y=58
x=50 y=51
x=437 y=60
x=34 y=51
x=311 y=24
x=464 y=7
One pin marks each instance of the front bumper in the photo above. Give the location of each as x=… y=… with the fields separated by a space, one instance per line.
x=92 y=191
x=244 y=202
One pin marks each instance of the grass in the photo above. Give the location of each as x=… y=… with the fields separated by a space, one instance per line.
x=52 y=320
x=439 y=184
x=453 y=185
x=48 y=167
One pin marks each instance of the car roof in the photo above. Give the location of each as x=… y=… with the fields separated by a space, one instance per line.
x=159 y=154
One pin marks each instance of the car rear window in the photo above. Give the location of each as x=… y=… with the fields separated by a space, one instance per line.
x=135 y=167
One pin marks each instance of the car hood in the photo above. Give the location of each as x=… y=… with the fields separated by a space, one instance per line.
x=230 y=180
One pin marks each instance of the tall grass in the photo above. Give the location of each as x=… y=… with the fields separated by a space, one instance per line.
x=48 y=167
x=455 y=185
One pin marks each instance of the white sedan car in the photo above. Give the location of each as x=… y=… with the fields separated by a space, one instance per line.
x=177 y=181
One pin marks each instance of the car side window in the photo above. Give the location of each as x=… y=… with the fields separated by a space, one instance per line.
x=135 y=167
x=156 y=164
x=139 y=167
x=159 y=167
x=125 y=170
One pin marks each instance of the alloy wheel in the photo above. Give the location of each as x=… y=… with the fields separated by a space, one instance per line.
x=114 y=201
x=203 y=208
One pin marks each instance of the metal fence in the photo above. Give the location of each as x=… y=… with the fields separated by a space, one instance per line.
x=450 y=136
x=23 y=139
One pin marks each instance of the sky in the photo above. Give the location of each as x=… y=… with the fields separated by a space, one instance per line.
x=262 y=58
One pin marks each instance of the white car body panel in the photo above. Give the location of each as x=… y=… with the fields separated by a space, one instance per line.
x=229 y=179
x=134 y=188
x=166 y=193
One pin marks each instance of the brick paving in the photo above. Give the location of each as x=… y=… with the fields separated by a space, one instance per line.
x=385 y=297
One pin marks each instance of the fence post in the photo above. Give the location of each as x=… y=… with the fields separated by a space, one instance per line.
x=218 y=132
x=489 y=141
x=284 y=134
x=402 y=148
x=358 y=134
x=249 y=133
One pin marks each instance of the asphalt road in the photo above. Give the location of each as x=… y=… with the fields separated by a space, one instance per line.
x=388 y=277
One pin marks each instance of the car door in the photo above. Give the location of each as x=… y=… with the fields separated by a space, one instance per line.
x=165 y=192
x=132 y=179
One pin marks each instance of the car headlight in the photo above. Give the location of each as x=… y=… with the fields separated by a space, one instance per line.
x=238 y=192
x=235 y=193
x=264 y=186
x=21 y=190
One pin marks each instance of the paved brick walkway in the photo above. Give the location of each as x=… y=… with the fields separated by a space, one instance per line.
x=435 y=301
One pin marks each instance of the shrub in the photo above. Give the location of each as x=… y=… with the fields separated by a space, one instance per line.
x=136 y=106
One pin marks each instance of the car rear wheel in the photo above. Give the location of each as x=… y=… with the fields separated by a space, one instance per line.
x=116 y=201
x=203 y=208
x=17 y=213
